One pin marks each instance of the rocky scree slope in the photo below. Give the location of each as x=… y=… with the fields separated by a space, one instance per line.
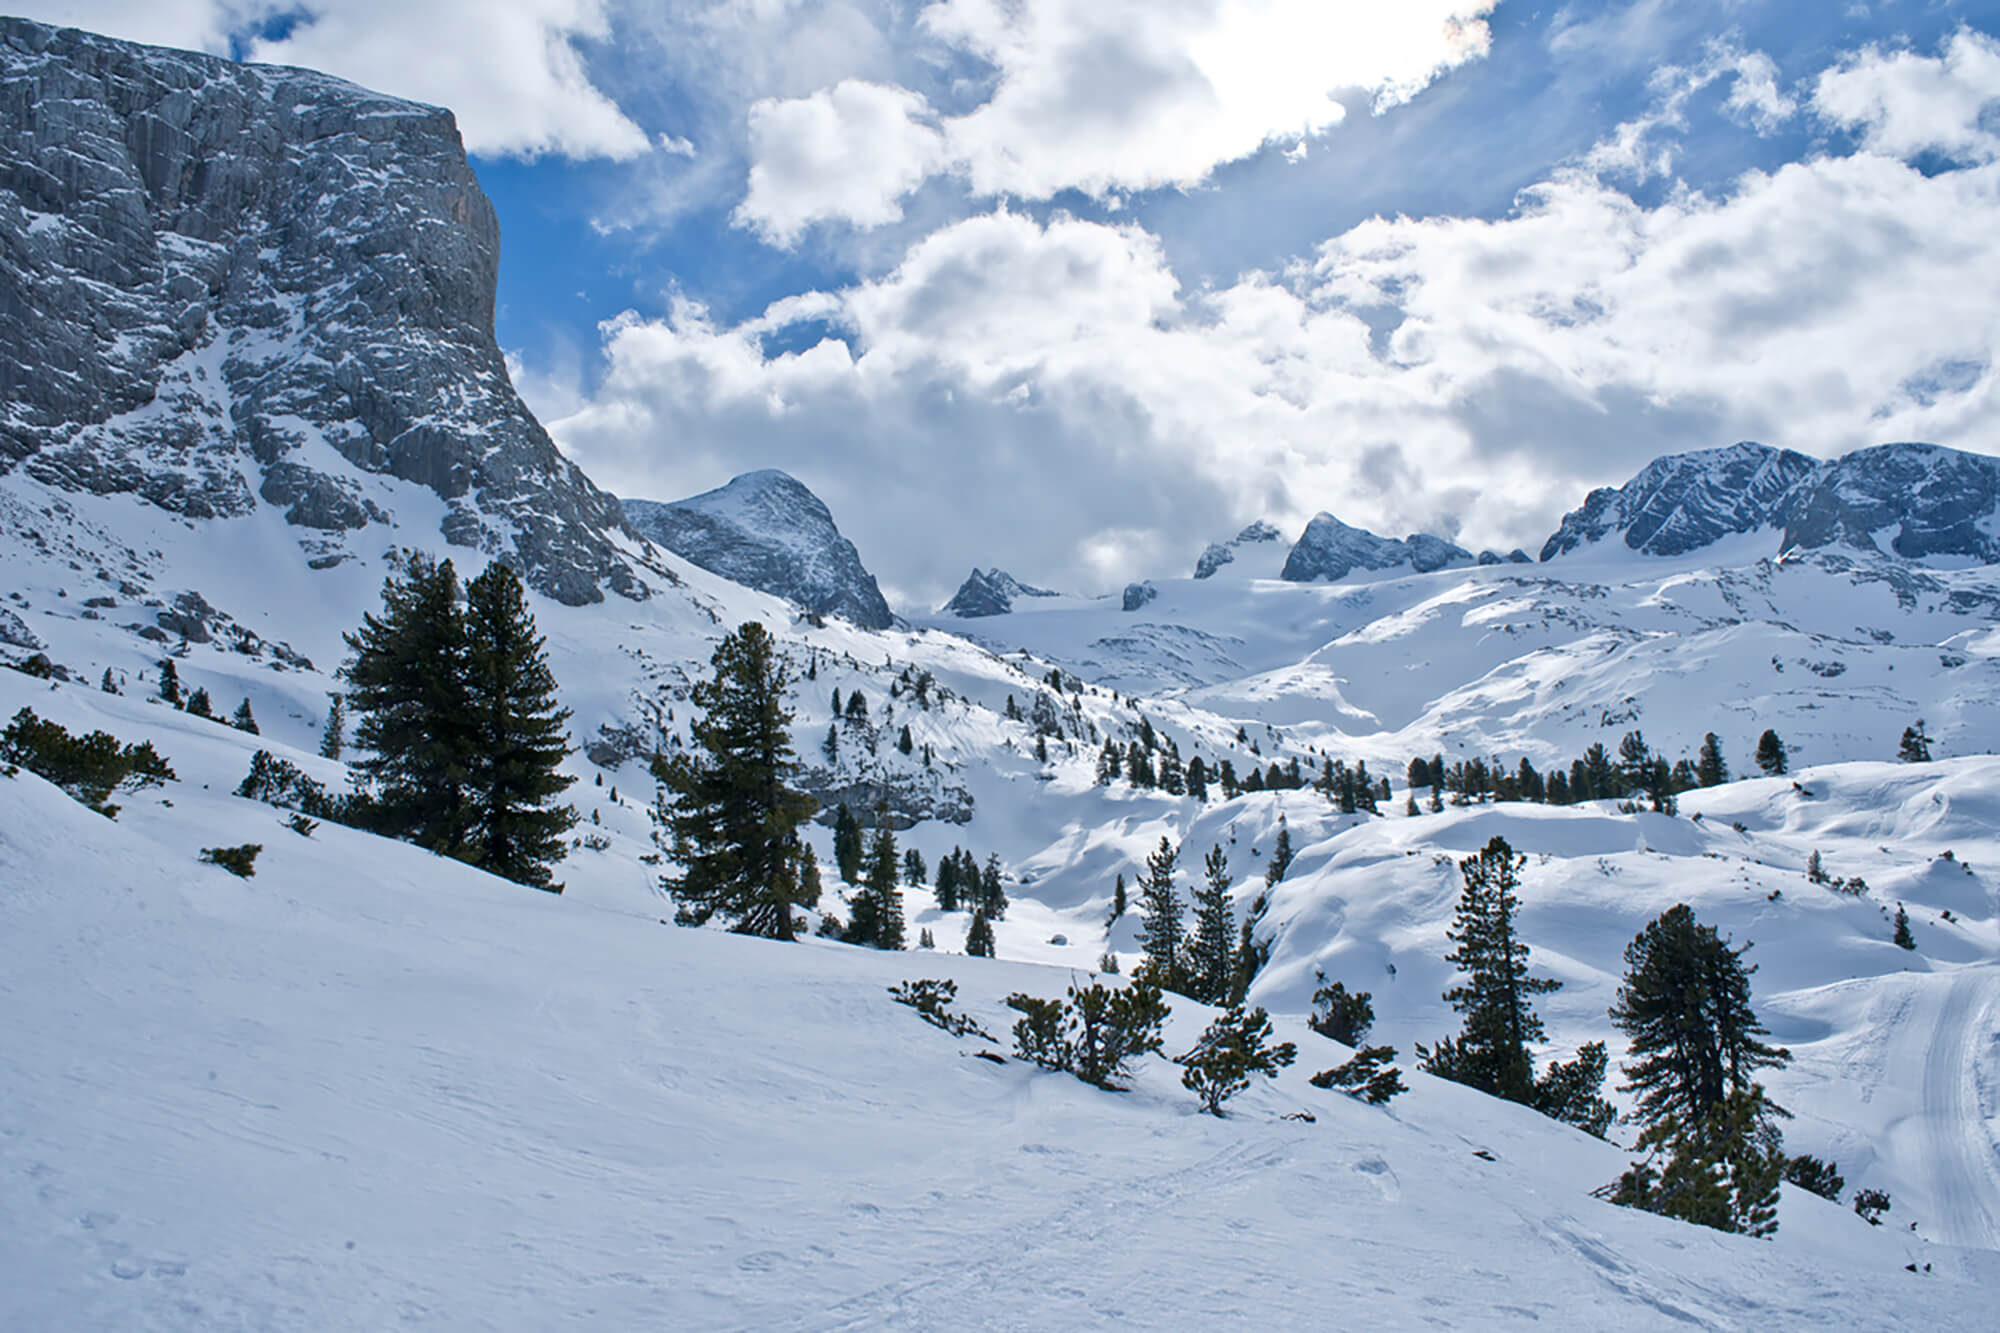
x=223 y=283
x=766 y=531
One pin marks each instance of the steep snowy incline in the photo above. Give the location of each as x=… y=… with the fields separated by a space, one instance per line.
x=370 y=1087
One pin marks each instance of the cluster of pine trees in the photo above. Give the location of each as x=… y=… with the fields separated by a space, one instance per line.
x=1635 y=772
x=195 y=702
x=1152 y=761
x=1216 y=961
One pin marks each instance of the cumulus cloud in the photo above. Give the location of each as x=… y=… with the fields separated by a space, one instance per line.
x=1645 y=146
x=1033 y=394
x=1902 y=103
x=1106 y=97
x=511 y=72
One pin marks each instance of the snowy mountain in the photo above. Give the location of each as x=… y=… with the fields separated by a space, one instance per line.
x=765 y=530
x=1331 y=550
x=1218 y=554
x=989 y=592
x=233 y=286
x=1685 y=502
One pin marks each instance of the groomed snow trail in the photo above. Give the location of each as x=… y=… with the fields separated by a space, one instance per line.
x=1957 y=1145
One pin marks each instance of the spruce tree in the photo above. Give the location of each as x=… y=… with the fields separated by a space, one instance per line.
x=979 y=937
x=1162 y=935
x=1916 y=746
x=243 y=719
x=1281 y=855
x=914 y=870
x=1212 y=952
x=1771 y=756
x=1118 y=899
x=847 y=844
x=878 y=908
x=1340 y=1015
x=198 y=704
x=108 y=685
x=1710 y=769
x=1903 y=938
x=407 y=681
x=170 y=682
x=334 y=738
x=1232 y=1049
x=727 y=801
x=992 y=892
x=518 y=736
x=1491 y=1053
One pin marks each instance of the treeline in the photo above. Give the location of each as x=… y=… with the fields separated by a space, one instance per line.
x=1635 y=772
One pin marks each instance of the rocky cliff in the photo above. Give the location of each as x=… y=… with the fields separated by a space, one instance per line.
x=989 y=592
x=226 y=285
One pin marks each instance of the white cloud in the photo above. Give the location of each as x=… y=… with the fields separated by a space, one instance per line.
x=849 y=152
x=1113 y=96
x=1645 y=146
x=1015 y=392
x=511 y=72
x=1903 y=104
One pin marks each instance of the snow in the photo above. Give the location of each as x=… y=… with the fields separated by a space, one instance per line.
x=370 y=1086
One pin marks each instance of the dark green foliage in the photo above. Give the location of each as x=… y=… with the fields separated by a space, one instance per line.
x=1281 y=855
x=847 y=844
x=1197 y=779
x=170 y=682
x=1162 y=934
x=733 y=816
x=238 y=861
x=198 y=704
x=1111 y=1026
x=108 y=685
x=1710 y=770
x=914 y=870
x=906 y=742
x=88 y=767
x=244 y=720
x=1600 y=773
x=857 y=707
x=1903 y=939
x=1119 y=902
x=1869 y=1205
x=1916 y=746
x=1721 y=1170
x=1340 y=1015
x=932 y=999
x=1251 y=952
x=407 y=681
x=1635 y=763
x=1491 y=1052
x=877 y=910
x=334 y=739
x=37 y=665
x=1822 y=1178
x=1038 y=1033
x=1110 y=763
x=1369 y=1076
x=1233 y=1049
x=1211 y=957
x=301 y=824
x=280 y=782
x=1574 y=1092
x=992 y=896
x=979 y=937
x=1771 y=756
x=518 y=737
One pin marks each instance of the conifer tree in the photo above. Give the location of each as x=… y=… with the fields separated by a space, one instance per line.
x=407 y=680
x=170 y=682
x=1232 y=1049
x=830 y=747
x=1635 y=763
x=108 y=685
x=1162 y=935
x=334 y=738
x=847 y=844
x=198 y=704
x=1601 y=772
x=906 y=742
x=1110 y=762
x=243 y=719
x=518 y=736
x=1916 y=746
x=1211 y=966
x=1903 y=938
x=1771 y=756
x=733 y=815
x=1281 y=855
x=1197 y=779
x=1118 y=900
x=914 y=870
x=1710 y=769
x=1340 y=1015
x=979 y=937
x=992 y=892
x=878 y=908
x=1225 y=777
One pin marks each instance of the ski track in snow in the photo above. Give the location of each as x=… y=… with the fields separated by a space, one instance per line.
x=1957 y=1146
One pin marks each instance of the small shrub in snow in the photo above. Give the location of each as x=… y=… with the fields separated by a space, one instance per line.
x=303 y=825
x=1809 y=1173
x=932 y=999
x=1038 y=1033
x=1369 y=1076
x=1869 y=1205
x=238 y=861
x=282 y=783
x=1096 y=1034
x=88 y=767
x=1340 y=1015
x=1233 y=1049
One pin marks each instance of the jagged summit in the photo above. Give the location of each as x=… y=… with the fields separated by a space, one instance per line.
x=231 y=284
x=1331 y=549
x=767 y=531
x=1219 y=554
x=989 y=592
x=1916 y=501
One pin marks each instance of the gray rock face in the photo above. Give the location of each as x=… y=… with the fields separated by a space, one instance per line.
x=1684 y=502
x=1138 y=594
x=766 y=531
x=1219 y=554
x=224 y=285
x=1922 y=499
x=989 y=592
x=1330 y=549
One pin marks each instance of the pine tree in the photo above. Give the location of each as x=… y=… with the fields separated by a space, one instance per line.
x=992 y=892
x=1635 y=763
x=198 y=704
x=830 y=747
x=1110 y=762
x=733 y=815
x=847 y=844
x=1903 y=938
x=979 y=938
x=333 y=740
x=906 y=742
x=1118 y=900
x=1162 y=936
x=170 y=682
x=1710 y=770
x=108 y=685
x=243 y=719
x=1601 y=772
x=1916 y=746
x=1197 y=779
x=1491 y=1053
x=1211 y=965
x=1771 y=756
x=857 y=707
x=1281 y=855
x=914 y=870
x=1232 y=1049
x=878 y=908
x=518 y=736
x=407 y=681
x=1340 y=1015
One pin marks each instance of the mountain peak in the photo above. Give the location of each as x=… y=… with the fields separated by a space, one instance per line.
x=1219 y=554
x=1683 y=502
x=989 y=592
x=767 y=530
x=1330 y=549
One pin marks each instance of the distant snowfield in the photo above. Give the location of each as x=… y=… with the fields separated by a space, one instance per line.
x=370 y=1087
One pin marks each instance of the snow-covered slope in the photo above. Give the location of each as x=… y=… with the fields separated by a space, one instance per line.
x=370 y=1087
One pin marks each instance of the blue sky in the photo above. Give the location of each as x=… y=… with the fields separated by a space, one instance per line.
x=1073 y=287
